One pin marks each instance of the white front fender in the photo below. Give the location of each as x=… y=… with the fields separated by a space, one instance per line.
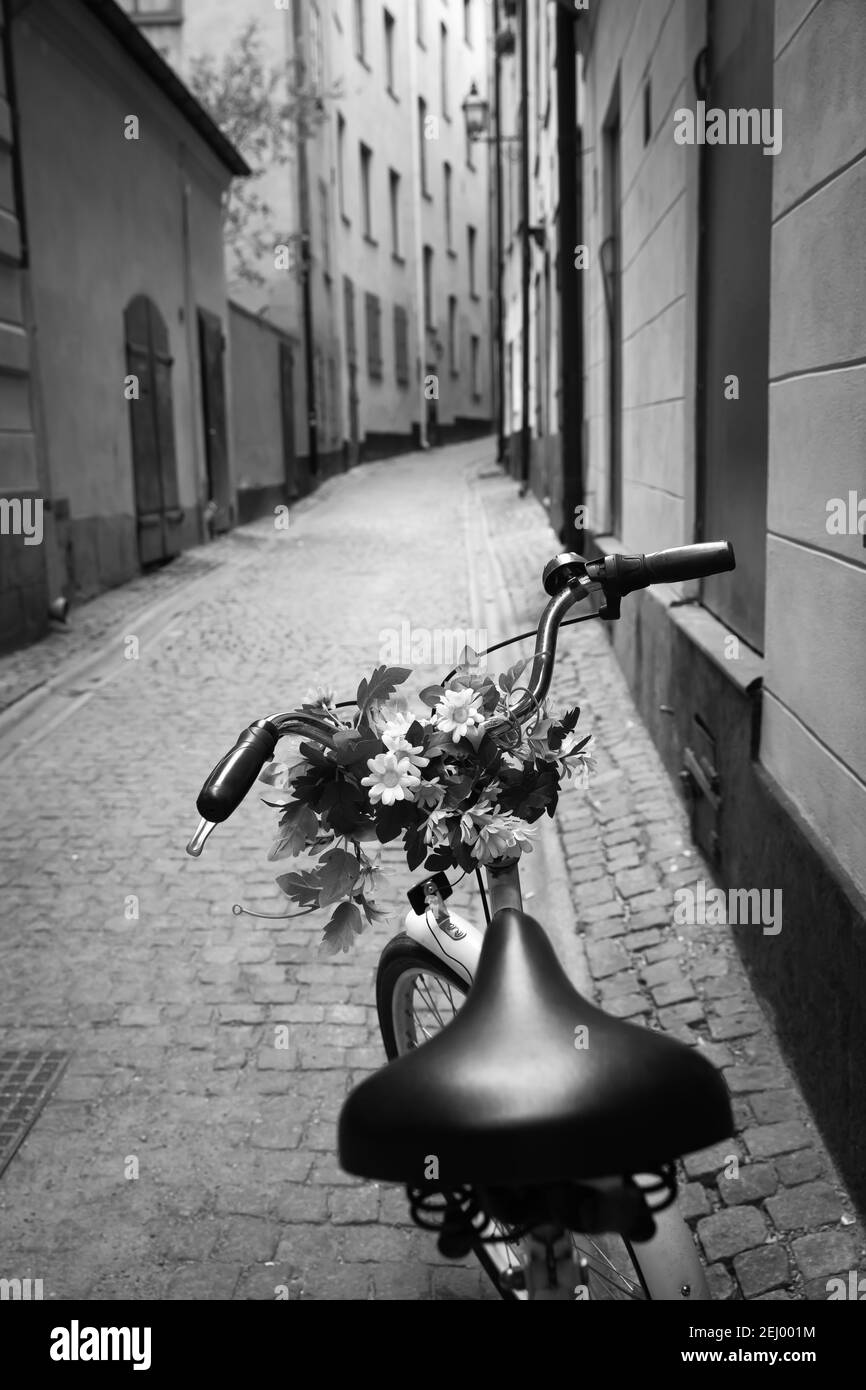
x=461 y=955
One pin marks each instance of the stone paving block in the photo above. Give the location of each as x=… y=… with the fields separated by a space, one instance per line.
x=764 y=1141
x=661 y=973
x=721 y=1285
x=761 y=1269
x=627 y=1005
x=799 y=1208
x=800 y=1167
x=728 y=1232
x=350 y=1206
x=197 y=1282
x=737 y=1027
x=676 y=992
x=825 y=1253
x=693 y=1200
x=755 y=1078
x=708 y=1163
x=606 y=958
x=631 y=883
x=754 y=1182
x=690 y=1011
x=772 y=1107
x=626 y=982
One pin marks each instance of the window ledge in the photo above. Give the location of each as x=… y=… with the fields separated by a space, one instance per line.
x=393 y=95
x=346 y=221
x=452 y=253
x=397 y=258
x=426 y=195
x=370 y=240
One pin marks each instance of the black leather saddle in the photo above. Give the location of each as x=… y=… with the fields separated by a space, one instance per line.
x=531 y=1084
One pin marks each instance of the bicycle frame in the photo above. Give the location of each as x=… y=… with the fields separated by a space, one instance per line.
x=669 y=1262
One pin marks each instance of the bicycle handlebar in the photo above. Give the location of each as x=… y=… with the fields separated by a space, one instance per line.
x=568 y=578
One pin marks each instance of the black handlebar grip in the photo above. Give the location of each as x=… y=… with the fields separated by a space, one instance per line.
x=689 y=562
x=234 y=774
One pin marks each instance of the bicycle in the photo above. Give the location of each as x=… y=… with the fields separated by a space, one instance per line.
x=528 y=1127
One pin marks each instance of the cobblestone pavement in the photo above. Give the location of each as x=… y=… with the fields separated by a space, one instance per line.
x=171 y=1017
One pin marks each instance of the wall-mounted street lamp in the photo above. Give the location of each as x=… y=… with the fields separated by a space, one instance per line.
x=476 y=111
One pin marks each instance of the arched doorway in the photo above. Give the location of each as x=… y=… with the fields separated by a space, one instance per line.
x=151 y=419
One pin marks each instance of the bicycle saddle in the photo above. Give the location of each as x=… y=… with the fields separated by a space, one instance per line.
x=513 y=1092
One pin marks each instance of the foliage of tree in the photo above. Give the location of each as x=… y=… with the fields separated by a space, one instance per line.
x=265 y=110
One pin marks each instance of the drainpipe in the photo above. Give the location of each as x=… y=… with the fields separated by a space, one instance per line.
x=304 y=214
x=526 y=260
x=500 y=327
x=570 y=278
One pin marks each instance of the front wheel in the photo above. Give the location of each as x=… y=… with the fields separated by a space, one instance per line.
x=416 y=996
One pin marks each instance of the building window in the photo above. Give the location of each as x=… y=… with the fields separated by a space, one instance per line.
x=334 y=394
x=325 y=216
x=422 y=127
x=349 y=310
x=316 y=53
x=389 y=54
x=360 y=50
x=449 y=239
x=374 y=336
x=341 y=165
x=476 y=365
x=471 y=239
x=419 y=20
x=401 y=345
x=443 y=69
x=452 y=335
x=394 y=182
x=366 y=207
x=428 y=287
x=467 y=21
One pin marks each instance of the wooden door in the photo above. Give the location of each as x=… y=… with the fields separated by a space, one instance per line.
x=211 y=341
x=151 y=420
x=287 y=412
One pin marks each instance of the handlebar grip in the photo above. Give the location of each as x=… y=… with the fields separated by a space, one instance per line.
x=689 y=562
x=234 y=774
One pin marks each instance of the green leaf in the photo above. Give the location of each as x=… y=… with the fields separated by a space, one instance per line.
x=391 y=821
x=275 y=775
x=343 y=805
x=358 y=752
x=509 y=678
x=302 y=886
x=314 y=755
x=345 y=924
x=298 y=827
x=380 y=686
x=431 y=695
x=338 y=874
x=371 y=912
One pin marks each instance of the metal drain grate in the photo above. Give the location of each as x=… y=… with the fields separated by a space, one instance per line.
x=26 y=1081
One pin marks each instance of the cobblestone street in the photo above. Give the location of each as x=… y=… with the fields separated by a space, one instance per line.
x=170 y=1017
